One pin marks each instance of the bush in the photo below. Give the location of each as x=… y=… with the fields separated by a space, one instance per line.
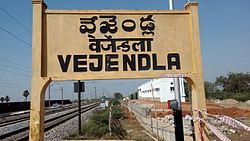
x=115 y=101
x=241 y=96
x=98 y=124
x=117 y=113
x=227 y=95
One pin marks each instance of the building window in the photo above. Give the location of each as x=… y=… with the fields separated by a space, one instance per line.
x=171 y=89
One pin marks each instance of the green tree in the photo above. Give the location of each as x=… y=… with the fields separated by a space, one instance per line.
x=115 y=101
x=118 y=96
x=98 y=124
x=7 y=98
x=210 y=87
x=234 y=82
x=26 y=94
x=135 y=95
x=2 y=99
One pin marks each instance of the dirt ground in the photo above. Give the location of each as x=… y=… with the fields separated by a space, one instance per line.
x=237 y=110
x=133 y=128
x=232 y=110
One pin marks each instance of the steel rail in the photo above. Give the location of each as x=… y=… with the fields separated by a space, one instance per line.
x=9 y=119
x=23 y=134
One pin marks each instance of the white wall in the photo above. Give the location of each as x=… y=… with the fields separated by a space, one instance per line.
x=163 y=89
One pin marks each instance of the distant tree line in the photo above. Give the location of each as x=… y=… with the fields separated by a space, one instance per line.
x=234 y=85
x=26 y=94
x=6 y=99
x=118 y=96
x=133 y=95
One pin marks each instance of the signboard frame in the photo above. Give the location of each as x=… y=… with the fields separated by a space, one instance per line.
x=133 y=51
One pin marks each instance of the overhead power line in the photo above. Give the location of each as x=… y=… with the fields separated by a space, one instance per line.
x=15 y=68
x=5 y=11
x=16 y=73
x=12 y=86
x=15 y=84
x=16 y=37
x=5 y=60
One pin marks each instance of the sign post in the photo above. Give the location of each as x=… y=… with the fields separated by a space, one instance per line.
x=79 y=87
x=79 y=108
x=113 y=44
x=179 y=134
x=178 y=122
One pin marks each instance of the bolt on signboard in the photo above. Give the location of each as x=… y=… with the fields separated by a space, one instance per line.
x=113 y=44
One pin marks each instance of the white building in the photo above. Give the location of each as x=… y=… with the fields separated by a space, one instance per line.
x=163 y=90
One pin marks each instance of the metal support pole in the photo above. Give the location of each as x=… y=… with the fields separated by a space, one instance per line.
x=179 y=135
x=95 y=93
x=50 y=85
x=191 y=109
x=177 y=92
x=157 y=129
x=79 y=107
x=49 y=96
x=62 y=95
x=171 y=4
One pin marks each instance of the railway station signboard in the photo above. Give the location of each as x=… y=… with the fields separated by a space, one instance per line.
x=117 y=44
x=113 y=44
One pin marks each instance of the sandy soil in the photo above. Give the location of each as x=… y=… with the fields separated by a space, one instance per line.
x=236 y=110
x=133 y=128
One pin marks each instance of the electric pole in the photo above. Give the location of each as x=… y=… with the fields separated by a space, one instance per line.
x=95 y=93
x=179 y=136
x=62 y=94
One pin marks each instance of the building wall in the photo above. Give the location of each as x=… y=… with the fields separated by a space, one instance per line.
x=163 y=90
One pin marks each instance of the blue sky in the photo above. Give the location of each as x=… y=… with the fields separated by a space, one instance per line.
x=224 y=29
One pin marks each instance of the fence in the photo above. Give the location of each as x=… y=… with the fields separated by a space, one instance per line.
x=156 y=127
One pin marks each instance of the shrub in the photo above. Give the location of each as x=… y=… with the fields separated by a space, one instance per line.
x=98 y=124
x=115 y=101
x=227 y=95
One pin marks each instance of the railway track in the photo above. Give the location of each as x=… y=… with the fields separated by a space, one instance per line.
x=12 y=118
x=22 y=134
x=4 y=115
